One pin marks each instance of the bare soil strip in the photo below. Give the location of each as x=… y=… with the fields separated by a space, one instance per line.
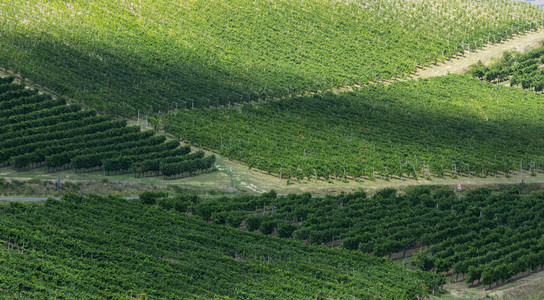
x=460 y=64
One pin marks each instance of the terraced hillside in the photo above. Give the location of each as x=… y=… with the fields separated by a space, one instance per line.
x=154 y=55
x=108 y=247
x=445 y=126
x=37 y=130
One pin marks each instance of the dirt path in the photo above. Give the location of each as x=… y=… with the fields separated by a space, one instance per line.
x=527 y=287
x=460 y=64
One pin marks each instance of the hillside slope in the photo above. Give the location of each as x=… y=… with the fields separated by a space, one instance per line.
x=492 y=237
x=154 y=55
x=440 y=126
x=103 y=247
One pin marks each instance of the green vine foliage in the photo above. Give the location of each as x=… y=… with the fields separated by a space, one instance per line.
x=446 y=126
x=481 y=237
x=37 y=130
x=157 y=55
x=517 y=69
x=109 y=247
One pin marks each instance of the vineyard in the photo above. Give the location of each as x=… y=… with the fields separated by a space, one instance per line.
x=39 y=131
x=445 y=126
x=108 y=247
x=482 y=237
x=518 y=69
x=311 y=92
x=122 y=57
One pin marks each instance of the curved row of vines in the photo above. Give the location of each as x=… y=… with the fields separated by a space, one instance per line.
x=518 y=69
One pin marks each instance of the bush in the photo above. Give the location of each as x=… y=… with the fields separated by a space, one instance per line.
x=267 y=227
x=301 y=234
x=218 y=218
x=166 y=203
x=285 y=230
x=182 y=206
x=271 y=195
x=16 y=207
x=351 y=243
x=422 y=261
x=386 y=193
x=73 y=198
x=205 y=209
x=234 y=219
x=151 y=198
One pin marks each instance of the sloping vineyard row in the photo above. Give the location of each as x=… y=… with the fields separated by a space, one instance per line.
x=37 y=130
x=482 y=236
x=452 y=125
x=521 y=70
x=156 y=55
x=109 y=247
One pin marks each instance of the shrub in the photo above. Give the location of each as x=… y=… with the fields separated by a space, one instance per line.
x=267 y=227
x=166 y=203
x=73 y=198
x=218 y=218
x=234 y=219
x=351 y=243
x=182 y=205
x=285 y=230
x=301 y=234
x=151 y=198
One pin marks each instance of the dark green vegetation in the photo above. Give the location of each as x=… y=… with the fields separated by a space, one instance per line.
x=155 y=55
x=448 y=125
x=485 y=236
x=208 y=59
x=36 y=130
x=523 y=70
x=107 y=247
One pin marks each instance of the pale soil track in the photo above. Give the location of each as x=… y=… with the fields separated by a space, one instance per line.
x=526 y=287
x=460 y=64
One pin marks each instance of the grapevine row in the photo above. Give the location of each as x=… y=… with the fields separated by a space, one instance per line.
x=446 y=126
x=40 y=131
x=72 y=247
x=244 y=51
x=482 y=236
